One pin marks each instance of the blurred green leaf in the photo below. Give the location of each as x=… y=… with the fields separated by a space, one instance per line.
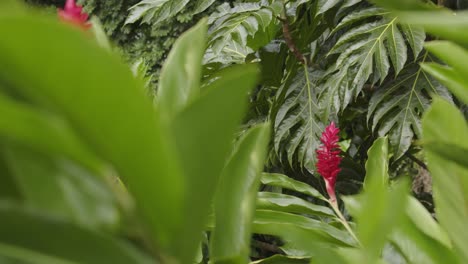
x=377 y=164
x=449 y=77
x=106 y=106
x=180 y=77
x=62 y=189
x=236 y=196
x=444 y=123
x=37 y=238
x=450 y=152
x=290 y=204
x=283 y=181
x=455 y=77
x=443 y=23
x=33 y=128
x=205 y=132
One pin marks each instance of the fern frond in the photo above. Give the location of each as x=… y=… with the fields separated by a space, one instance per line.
x=243 y=23
x=396 y=108
x=155 y=11
x=297 y=125
x=373 y=44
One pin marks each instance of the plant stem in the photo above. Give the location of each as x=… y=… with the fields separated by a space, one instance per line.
x=343 y=221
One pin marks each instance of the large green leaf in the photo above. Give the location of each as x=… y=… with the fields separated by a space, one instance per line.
x=155 y=11
x=373 y=214
x=32 y=237
x=179 y=82
x=396 y=108
x=443 y=123
x=204 y=131
x=239 y=183
x=97 y=95
x=420 y=238
x=63 y=189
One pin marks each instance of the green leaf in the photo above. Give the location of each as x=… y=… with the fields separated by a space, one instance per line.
x=396 y=107
x=22 y=234
x=179 y=83
x=283 y=181
x=105 y=105
x=371 y=210
x=377 y=164
x=443 y=123
x=420 y=238
x=204 y=131
x=239 y=183
x=155 y=11
x=290 y=204
x=302 y=231
x=63 y=189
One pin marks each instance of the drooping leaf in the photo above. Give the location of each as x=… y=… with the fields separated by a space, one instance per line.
x=290 y=204
x=444 y=123
x=239 y=183
x=302 y=231
x=396 y=108
x=283 y=181
x=155 y=11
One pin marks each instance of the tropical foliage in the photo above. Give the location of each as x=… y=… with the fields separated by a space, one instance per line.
x=207 y=169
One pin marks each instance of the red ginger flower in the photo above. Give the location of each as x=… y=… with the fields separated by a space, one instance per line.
x=74 y=14
x=329 y=159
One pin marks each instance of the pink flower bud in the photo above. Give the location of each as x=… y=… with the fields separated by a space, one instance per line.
x=328 y=156
x=74 y=14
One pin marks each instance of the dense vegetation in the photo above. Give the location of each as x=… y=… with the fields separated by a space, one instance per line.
x=130 y=142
